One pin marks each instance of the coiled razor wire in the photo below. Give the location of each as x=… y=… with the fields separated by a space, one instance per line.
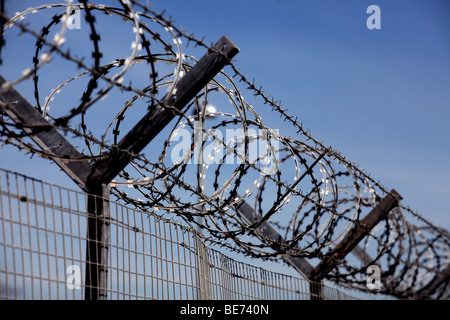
x=197 y=172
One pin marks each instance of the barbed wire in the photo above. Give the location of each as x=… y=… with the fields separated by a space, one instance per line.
x=209 y=161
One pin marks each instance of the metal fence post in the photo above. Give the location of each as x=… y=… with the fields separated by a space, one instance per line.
x=97 y=244
x=203 y=270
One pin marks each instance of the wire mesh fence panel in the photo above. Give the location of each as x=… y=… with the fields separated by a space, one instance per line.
x=151 y=257
x=43 y=253
x=42 y=234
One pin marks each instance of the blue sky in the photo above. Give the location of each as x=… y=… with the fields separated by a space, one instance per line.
x=380 y=97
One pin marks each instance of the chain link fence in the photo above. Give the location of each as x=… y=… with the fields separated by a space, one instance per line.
x=43 y=253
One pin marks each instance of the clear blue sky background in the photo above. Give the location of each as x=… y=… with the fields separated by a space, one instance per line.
x=380 y=97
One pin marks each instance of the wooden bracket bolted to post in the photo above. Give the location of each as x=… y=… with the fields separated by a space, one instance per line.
x=245 y=211
x=441 y=278
x=361 y=229
x=301 y=265
x=94 y=179
x=133 y=143
x=156 y=119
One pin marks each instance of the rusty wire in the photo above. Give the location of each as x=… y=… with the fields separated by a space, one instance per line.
x=312 y=208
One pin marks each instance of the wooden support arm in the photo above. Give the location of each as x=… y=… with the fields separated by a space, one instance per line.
x=45 y=135
x=245 y=211
x=156 y=119
x=355 y=235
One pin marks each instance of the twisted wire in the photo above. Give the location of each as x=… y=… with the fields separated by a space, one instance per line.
x=203 y=179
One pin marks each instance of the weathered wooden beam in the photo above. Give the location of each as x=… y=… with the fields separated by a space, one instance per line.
x=45 y=135
x=301 y=265
x=355 y=235
x=156 y=119
x=245 y=211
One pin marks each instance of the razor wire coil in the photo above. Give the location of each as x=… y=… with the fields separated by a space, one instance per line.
x=312 y=208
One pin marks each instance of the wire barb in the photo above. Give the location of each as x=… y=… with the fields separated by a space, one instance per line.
x=309 y=193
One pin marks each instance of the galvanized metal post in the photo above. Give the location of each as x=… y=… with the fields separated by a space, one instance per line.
x=316 y=290
x=156 y=119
